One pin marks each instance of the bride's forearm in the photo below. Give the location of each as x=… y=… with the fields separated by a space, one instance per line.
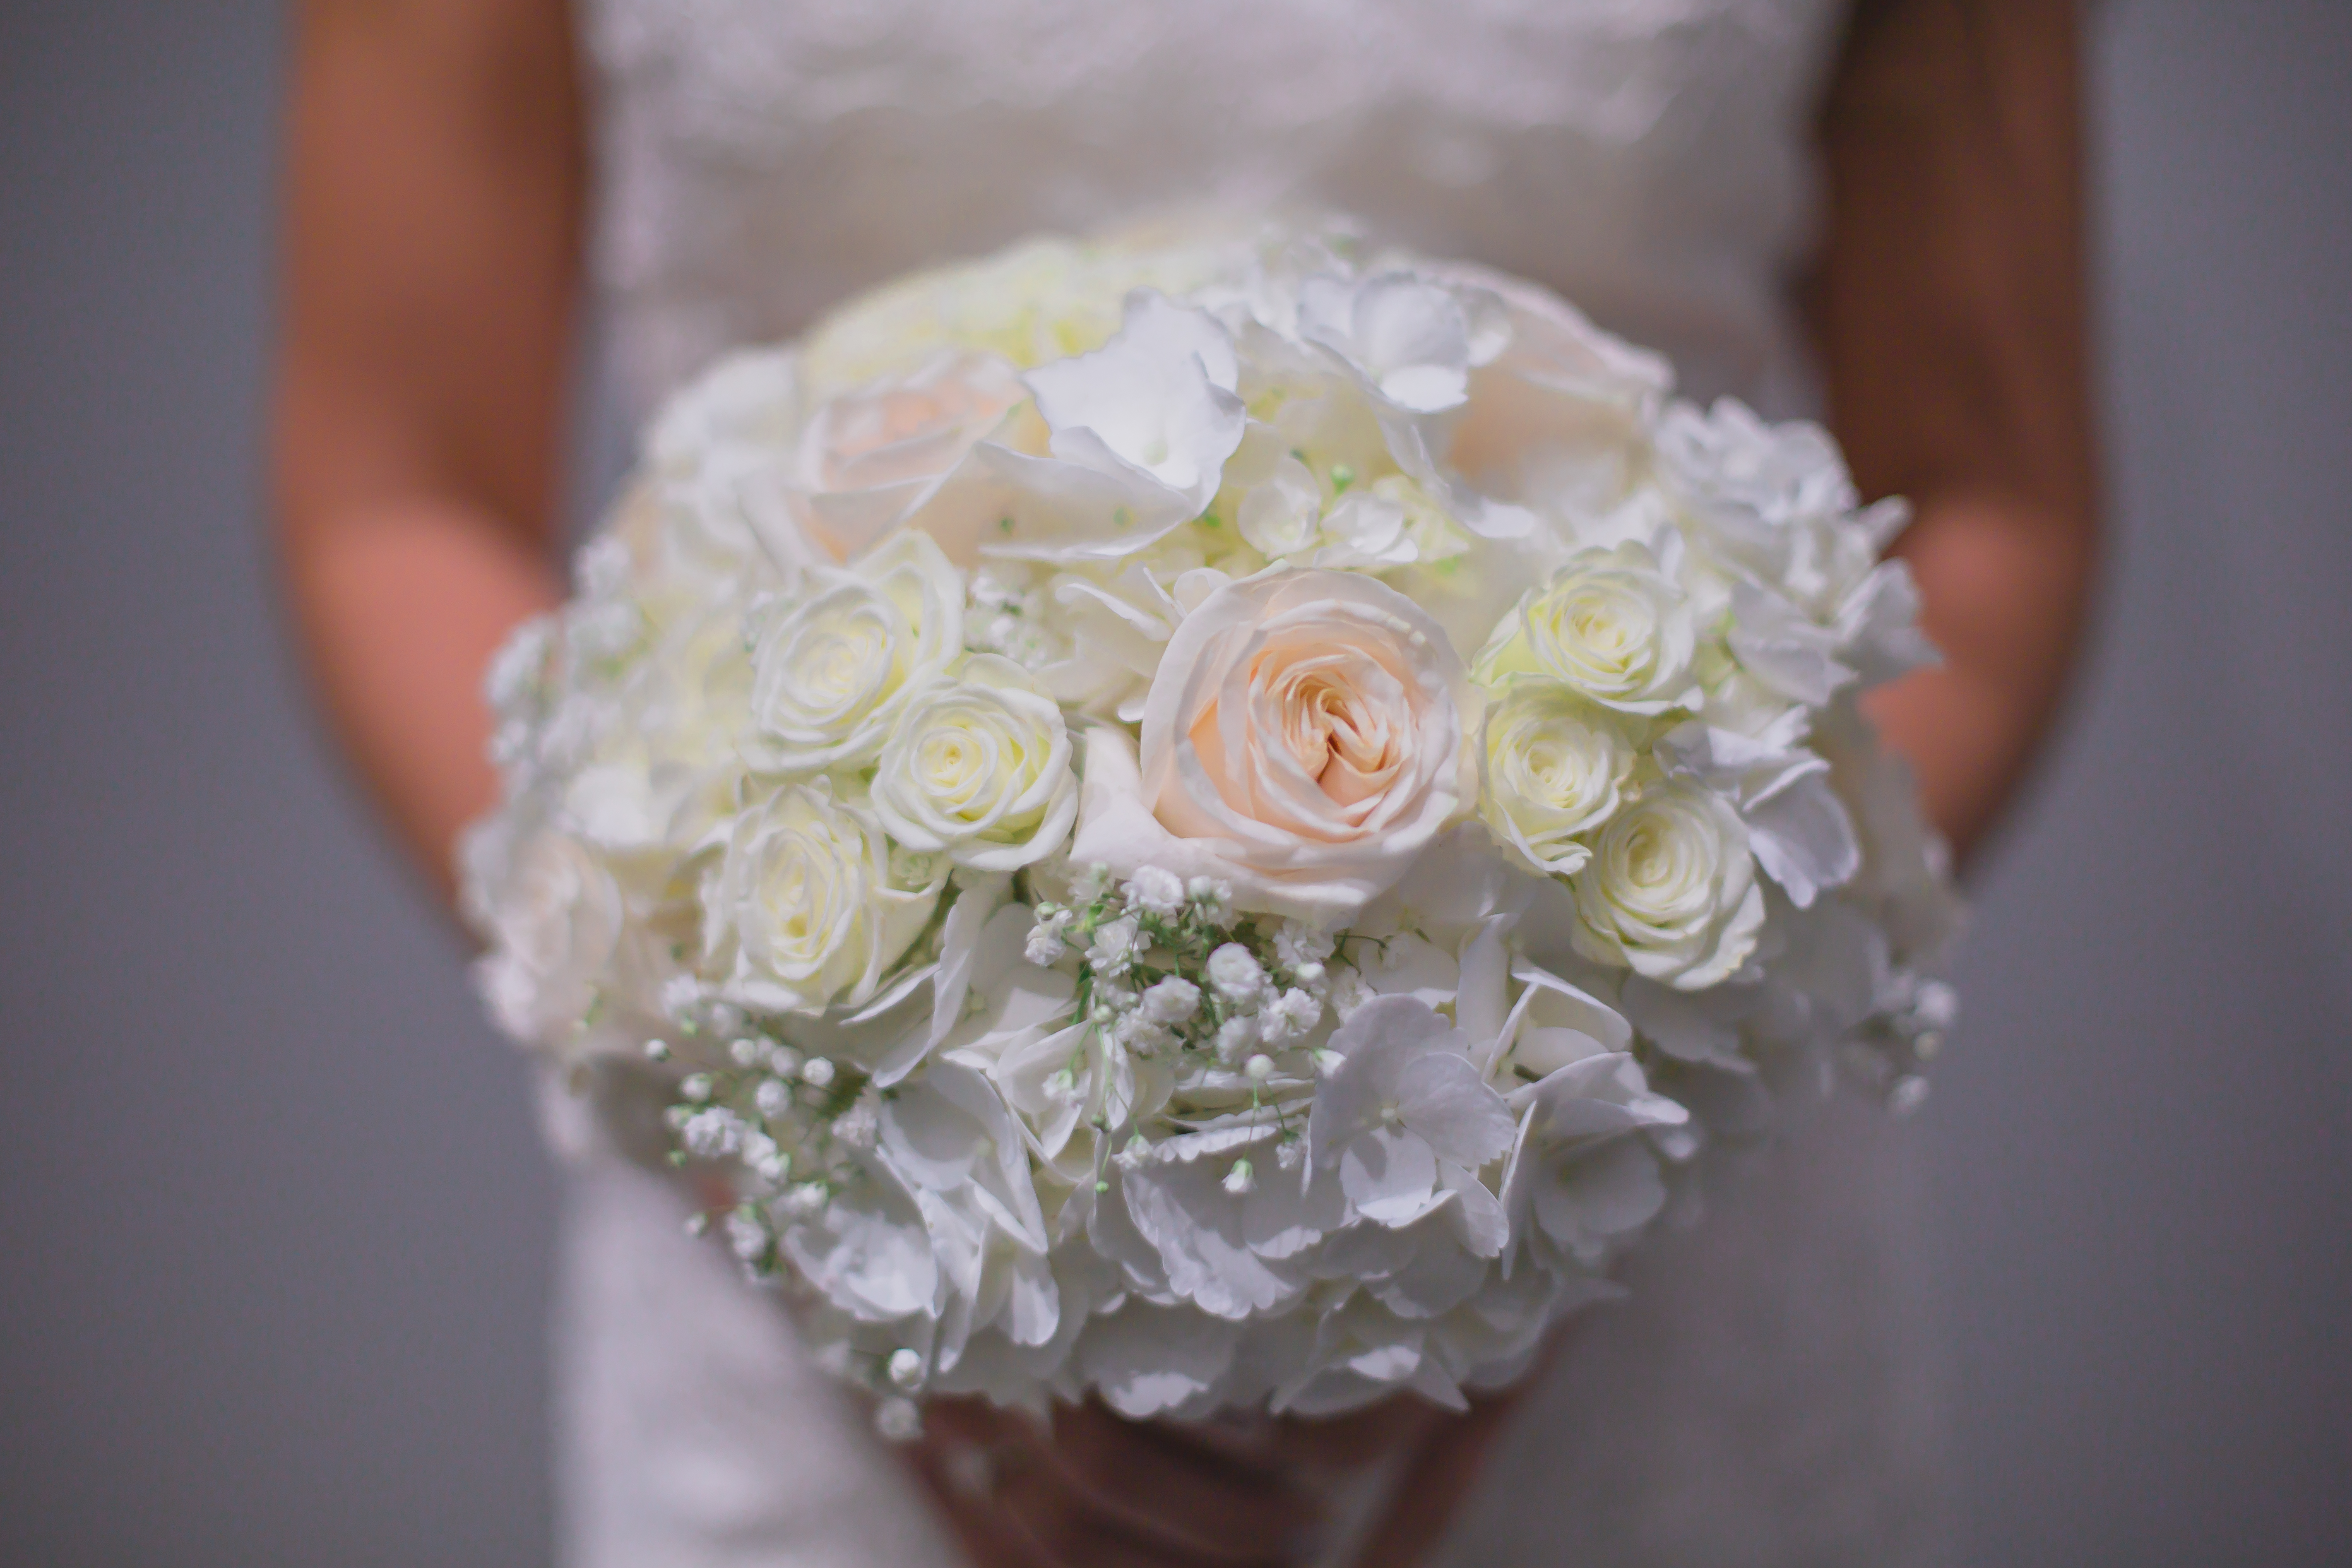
x=400 y=608
x=2004 y=585
x=434 y=183
x=1949 y=314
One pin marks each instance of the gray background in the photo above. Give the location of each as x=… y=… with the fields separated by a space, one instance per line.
x=274 y=1233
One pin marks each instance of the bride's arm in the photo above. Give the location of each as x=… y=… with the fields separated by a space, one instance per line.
x=1950 y=312
x=434 y=190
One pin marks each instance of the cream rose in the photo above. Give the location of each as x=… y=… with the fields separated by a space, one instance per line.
x=868 y=461
x=1611 y=623
x=979 y=768
x=1671 y=892
x=1555 y=768
x=805 y=905
x=1302 y=741
x=831 y=672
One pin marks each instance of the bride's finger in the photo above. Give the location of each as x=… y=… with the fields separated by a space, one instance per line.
x=1098 y=1489
x=1227 y=1490
x=1437 y=1474
x=960 y=1477
x=1070 y=1526
x=1323 y=1442
x=1158 y=1477
x=1363 y=1437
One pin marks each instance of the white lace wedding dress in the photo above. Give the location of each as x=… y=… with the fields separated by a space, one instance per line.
x=1769 y=1398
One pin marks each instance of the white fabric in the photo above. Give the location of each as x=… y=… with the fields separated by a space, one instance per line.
x=1769 y=1399
x=692 y=1433
x=766 y=158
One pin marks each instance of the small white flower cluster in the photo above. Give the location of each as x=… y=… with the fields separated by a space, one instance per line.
x=1166 y=967
x=795 y=1125
x=1220 y=825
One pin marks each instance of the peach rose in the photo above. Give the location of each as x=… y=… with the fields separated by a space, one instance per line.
x=1302 y=740
x=869 y=459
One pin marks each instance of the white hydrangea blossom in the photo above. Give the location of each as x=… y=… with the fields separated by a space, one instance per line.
x=1188 y=823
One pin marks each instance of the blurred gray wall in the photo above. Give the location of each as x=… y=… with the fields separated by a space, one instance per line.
x=274 y=1234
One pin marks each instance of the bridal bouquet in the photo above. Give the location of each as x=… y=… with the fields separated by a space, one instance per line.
x=1220 y=823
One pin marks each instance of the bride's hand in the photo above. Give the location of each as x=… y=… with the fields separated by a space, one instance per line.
x=1098 y=1489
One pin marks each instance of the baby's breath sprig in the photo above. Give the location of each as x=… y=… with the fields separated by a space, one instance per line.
x=1166 y=967
x=789 y=1123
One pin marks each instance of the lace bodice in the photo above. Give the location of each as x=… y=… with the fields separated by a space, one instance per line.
x=765 y=158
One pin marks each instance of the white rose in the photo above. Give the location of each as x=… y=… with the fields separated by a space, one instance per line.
x=979 y=767
x=1555 y=768
x=805 y=900
x=555 y=922
x=1302 y=739
x=866 y=461
x=832 y=672
x=1802 y=834
x=1671 y=892
x=1611 y=623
